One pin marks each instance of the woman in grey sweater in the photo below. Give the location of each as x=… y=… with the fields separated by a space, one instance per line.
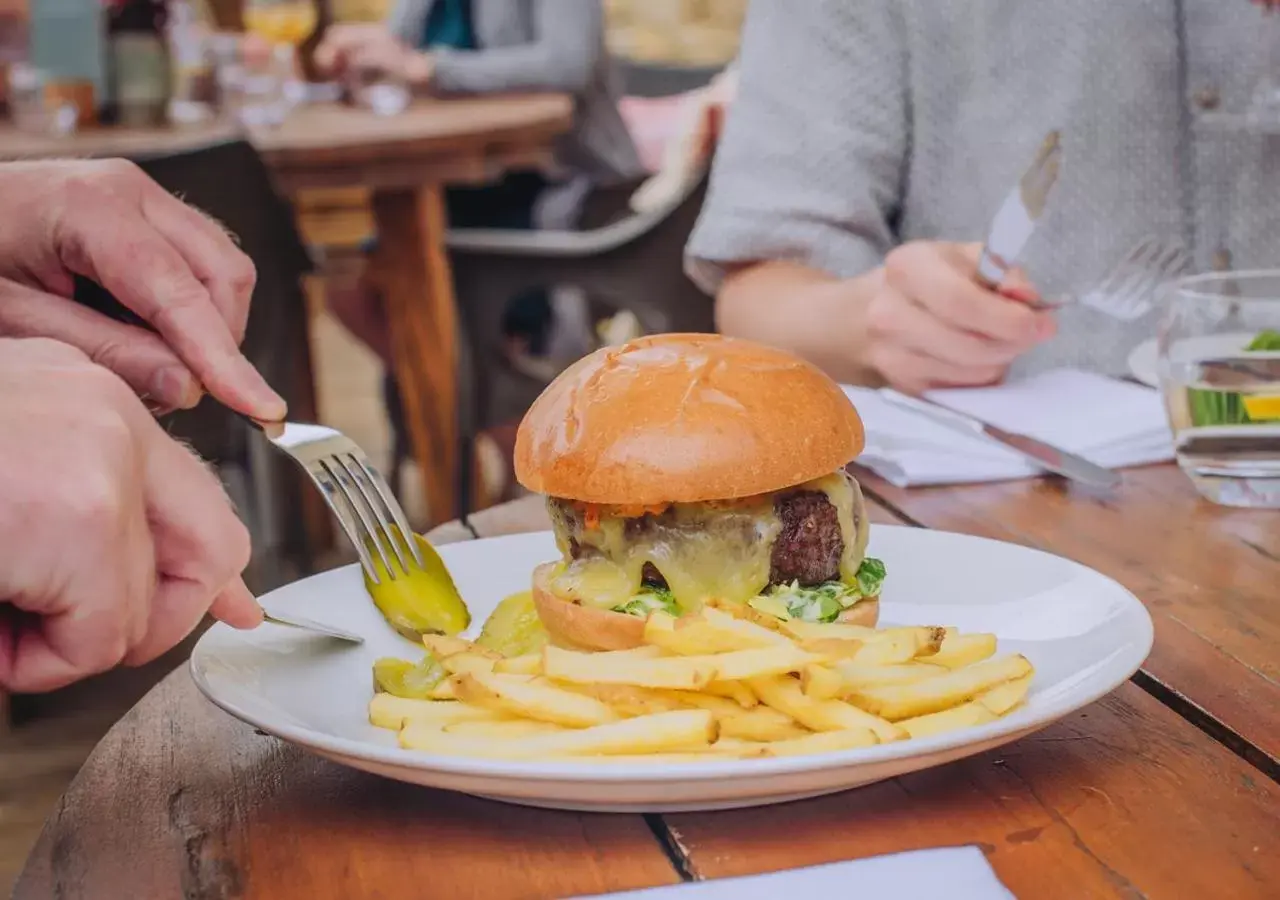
x=871 y=142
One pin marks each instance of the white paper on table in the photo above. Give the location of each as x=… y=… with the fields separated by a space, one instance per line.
x=1112 y=423
x=956 y=873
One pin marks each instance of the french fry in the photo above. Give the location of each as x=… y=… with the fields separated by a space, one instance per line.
x=721 y=706
x=515 y=696
x=821 y=682
x=689 y=673
x=386 y=711
x=760 y=724
x=746 y=613
x=686 y=636
x=500 y=729
x=443 y=646
x=833 y=649
x=529 y=664
x=1006 y=697
x=656 y=759
x=785 y=695
x=629 y=701
x=660 y=733
x=737 y=691
x=966 y=715
x=960 y=650
x=823 y=742
x=445 y=690
x=748 y=632
x=747 y=664
x=817 y=631
x=467 y=662
x=934 y=694
x=854 y=675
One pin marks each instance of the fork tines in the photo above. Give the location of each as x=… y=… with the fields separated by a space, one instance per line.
x=368 y=513
x=1126 y=292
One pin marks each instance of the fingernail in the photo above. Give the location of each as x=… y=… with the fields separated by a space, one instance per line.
x=267 y=404
x=176 y=388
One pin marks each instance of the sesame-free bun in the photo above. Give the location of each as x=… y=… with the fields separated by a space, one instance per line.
x=679 y=418
x=575 y=627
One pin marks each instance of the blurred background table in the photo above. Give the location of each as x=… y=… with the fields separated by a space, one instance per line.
x=1165 y=788
x=404 y=161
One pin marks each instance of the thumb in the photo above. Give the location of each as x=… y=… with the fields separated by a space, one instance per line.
x=236 y=606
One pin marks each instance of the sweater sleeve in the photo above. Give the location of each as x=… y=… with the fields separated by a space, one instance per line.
x=810 y=166
x=567 y=47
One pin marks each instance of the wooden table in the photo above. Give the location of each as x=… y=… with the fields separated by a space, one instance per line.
x=1166 y=788
x=406 y=160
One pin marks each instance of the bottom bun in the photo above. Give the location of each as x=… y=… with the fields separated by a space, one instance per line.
x=577 y=627
x=865 y=613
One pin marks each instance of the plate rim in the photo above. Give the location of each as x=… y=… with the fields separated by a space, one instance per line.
x=501 y=770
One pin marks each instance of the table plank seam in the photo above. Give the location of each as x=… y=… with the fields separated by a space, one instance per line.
x=1202 y=719
x=1182 y=706
x=675 y=851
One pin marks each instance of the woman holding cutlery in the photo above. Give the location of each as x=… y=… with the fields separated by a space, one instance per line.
x=870 y=144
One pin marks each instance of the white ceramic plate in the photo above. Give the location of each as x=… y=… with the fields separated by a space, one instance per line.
x=1084 y=633
x=1144 y=361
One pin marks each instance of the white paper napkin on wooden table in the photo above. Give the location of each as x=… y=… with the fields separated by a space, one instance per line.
x=956 y=873
x=1109 y=422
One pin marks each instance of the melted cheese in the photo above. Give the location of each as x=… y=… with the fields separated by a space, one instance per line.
x=702 y=550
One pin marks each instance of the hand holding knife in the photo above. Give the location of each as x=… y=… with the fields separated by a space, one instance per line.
x=1016 y=219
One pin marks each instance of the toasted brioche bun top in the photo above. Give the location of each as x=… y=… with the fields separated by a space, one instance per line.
x=680 y=418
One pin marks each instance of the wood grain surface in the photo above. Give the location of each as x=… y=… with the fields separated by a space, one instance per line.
x=1209 y=575
x=1124 y=799
x=181 y=800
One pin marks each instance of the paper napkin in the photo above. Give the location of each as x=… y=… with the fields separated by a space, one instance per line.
x=957 y=873
x=1109 y=422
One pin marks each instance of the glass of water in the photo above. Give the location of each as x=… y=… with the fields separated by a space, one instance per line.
x=1219 y=363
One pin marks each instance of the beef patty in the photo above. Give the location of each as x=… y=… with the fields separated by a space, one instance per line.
x=807 y=549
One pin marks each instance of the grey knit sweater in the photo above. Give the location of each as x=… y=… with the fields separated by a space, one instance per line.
x=860 y=125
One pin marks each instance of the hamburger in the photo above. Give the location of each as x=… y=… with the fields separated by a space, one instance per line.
x=682 y=467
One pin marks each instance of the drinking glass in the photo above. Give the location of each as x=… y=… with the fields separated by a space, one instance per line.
x=280 y=21
x=1219 y=365
x=1263 y=113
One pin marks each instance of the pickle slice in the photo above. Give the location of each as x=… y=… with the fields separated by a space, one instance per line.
x=425 y=601
x=513 y=628
x=401 y=678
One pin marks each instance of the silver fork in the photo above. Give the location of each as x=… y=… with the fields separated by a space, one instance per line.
x=356 y=493
x=1126 y=291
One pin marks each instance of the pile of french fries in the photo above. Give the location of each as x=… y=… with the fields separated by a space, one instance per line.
x=726 y=682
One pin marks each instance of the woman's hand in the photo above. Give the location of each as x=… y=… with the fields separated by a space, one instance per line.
x=929 y=324
x=361 y=47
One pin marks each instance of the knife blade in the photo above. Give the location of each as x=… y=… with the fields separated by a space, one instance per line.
x=1016 y=219
x=1043 y=455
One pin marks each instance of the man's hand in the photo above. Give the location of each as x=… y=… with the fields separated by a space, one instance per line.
x=169 y=263
x=929 y=324
x=352 y=49
x=114 y=539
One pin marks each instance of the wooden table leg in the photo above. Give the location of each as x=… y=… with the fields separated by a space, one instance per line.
x=420 y=306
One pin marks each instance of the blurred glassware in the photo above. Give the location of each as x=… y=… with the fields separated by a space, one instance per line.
x=280 y=21
x=32 y=106
x=251 y=77
x=193 y=76
x=377 y=91
x=1219 y=366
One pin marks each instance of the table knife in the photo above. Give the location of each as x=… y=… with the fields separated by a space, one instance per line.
x=1016 y=219
x=1043 y=455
